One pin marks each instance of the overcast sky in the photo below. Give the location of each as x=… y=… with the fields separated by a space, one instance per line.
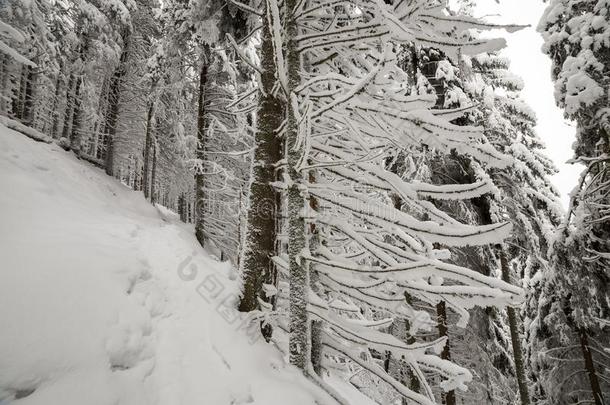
x=534 y=67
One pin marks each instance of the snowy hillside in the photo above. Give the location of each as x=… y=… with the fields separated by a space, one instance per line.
x=100 y=304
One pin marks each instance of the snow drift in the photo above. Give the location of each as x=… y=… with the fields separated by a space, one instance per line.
x=105 y=299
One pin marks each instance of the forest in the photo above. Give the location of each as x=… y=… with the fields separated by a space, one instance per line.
x=365 y=176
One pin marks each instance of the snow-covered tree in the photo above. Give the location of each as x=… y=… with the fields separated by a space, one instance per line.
x=524 y=194
x=573 y=302
x=26 y=40
x=348 y=108
x=487 y=91
x=195 y=44
x=258 y=270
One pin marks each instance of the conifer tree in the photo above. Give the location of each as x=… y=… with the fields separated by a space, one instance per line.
x=573 y=296
x=257 y=266
x=345 y=109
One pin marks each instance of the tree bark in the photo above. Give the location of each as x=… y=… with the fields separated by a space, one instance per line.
x=298 y=343
x=441 y=310
x=181 y=207
x=413 y=381
x=316 y=347
x=515 y=338
x=153 y=174
x=314 y=242
x=257 y=266
x=20 y=96
x=146 y=153
x=596 y=390
x=5 y=90
x=75 y=134
x=28 y=97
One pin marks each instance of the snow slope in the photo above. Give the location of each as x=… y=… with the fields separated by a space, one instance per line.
x=105 y=299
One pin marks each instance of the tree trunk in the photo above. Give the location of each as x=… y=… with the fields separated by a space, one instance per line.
x=182 y=207
x=146 y=154
x=55 y=126
x=113 y=109
x=316 y=347
x=257 y=266
x=202 y=120
x=5 y=85
x=28 y=97
x=102 y=104
x=428 y=69
x=75 y=134
x=441 y=311
x=153 y=174
x=412 y=380
x=65 y=133
x=596 y=390
x=20 y=96
x=314 y=242
x=515 y=337
x=298 y=343
x=137 y=177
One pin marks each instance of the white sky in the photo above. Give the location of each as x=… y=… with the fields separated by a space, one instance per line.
x=528 y=61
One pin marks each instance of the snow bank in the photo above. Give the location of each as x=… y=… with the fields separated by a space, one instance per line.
x=105 y=299
x=25 y=130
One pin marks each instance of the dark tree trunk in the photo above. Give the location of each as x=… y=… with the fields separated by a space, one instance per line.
x=182 y=207
x=202 y=126
x=137 y=178
x=596 y=390
x=65 y=133
x=93 y=145
x=146 y=154
x=20 y=96
x=113 y=109
x=258 y=269
x=441 y=311
x=102 y=104
x=55 y=127
x=28 y=97
x=316 y=325
x=513 y=323
x=153 y=174
x=298 y=272
x=412 y=380
x=75 y=134
x=429 y=65
x=5 y=85
x=316 y=346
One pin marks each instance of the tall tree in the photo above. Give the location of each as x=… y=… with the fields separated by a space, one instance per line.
x=525 y=193
x=257 y=266
x=574 y=298
x=195 y=31
x=346 y=117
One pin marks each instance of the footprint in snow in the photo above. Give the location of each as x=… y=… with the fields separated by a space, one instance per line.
x=130 y=341
x=136 y=231
x=242 y=398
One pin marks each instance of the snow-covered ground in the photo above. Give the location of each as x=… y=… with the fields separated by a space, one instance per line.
x=105 y=299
